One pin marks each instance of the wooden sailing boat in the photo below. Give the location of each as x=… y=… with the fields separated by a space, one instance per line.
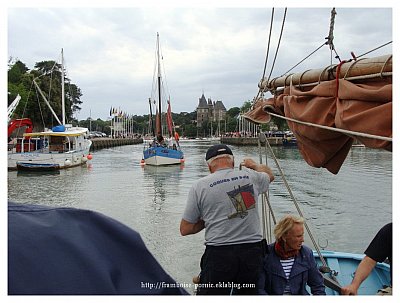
x=162 y=150
x=327 y=109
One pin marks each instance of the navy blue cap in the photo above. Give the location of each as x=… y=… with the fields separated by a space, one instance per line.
x=218 y=149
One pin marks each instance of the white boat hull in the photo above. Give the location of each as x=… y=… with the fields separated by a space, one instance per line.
x=49 y=155
x=63 y=160
x=159 y=161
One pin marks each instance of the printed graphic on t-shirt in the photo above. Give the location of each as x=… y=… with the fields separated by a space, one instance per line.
x=242 y=199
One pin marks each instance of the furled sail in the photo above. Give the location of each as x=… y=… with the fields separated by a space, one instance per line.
x=354 y=98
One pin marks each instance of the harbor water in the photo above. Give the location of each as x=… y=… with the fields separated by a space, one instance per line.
x=344 y=211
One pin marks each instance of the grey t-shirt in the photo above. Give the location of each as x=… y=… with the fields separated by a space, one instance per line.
x=227 y=202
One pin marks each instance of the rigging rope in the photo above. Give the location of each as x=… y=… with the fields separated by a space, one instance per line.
x=276 y=51
x=318 y=48
x=328 y=42
x=296 y=204
x=279 y=43
x=269 y=42
x=267 y=54
x=339 y=130
x=331 y=27
x=372 y=50
x=330 y=35
x=267 y=214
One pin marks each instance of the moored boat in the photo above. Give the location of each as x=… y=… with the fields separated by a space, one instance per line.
x=27 y=166
x=50 y=149
x=61 y=147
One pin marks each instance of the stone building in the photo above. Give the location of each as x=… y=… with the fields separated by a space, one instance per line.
x=208 y=111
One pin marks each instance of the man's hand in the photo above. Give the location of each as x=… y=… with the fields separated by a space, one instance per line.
x=250 y=163
x=363 y=270
x=349 y=290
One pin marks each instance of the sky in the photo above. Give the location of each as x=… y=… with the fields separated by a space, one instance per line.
x=220 y=51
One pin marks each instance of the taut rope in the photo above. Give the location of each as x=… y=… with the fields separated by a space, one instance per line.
x=339 y=130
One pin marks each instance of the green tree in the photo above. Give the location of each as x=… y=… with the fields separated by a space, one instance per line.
x=16 y=71
x=47 y=75
x=246 y=106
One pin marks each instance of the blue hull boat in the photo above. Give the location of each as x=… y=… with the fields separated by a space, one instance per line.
x=159 y=152
x=342 y=268
x=159 y=155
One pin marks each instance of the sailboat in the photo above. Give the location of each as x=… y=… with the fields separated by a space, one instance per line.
x=63 y=146
x=327 y=109
x=162 y=150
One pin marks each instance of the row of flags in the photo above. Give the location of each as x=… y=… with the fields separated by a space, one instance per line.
x=114 y=112
x=118 y=113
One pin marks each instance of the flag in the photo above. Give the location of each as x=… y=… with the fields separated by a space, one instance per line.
x=169 y=119
x=176 y=136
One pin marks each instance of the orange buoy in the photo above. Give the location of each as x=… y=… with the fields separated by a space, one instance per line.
x=90 y=157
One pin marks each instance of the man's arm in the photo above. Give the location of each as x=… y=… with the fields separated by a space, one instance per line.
x=363 y=270
x=188 y=228
x=250 y=163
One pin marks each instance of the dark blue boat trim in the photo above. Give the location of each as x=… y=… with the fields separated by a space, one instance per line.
x=37 y=166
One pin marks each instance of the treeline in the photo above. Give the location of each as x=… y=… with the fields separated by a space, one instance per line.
x=47 y=75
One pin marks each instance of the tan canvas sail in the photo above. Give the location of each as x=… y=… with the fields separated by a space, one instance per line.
x=359 y=100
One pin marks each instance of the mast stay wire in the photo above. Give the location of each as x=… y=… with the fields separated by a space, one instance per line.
x=269 y=42
x=262 y=138
x=267 y=214
x=279 y=43
x=267 y=54
x=268 y=47
x=296 y=204
x=376 y=48
x=166 y=91
x=329 y=42
x=305 y=58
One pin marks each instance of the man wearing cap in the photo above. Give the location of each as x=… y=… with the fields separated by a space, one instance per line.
x=225 y=204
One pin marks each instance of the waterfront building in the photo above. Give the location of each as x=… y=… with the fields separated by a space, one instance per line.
x=210 y=111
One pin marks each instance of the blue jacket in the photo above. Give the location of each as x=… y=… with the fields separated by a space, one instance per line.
x=60 y=251
x=304 y=271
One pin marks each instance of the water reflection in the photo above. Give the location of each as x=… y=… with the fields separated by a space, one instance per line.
x=24 y=173
x=159 y=179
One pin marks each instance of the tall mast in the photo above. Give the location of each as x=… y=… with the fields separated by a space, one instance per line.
x=62 y=87
x=159 y=130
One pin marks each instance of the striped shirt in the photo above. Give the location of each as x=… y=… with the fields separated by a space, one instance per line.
x=287 y=268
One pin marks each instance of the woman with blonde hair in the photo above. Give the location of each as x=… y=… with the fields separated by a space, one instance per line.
x=289 y=265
